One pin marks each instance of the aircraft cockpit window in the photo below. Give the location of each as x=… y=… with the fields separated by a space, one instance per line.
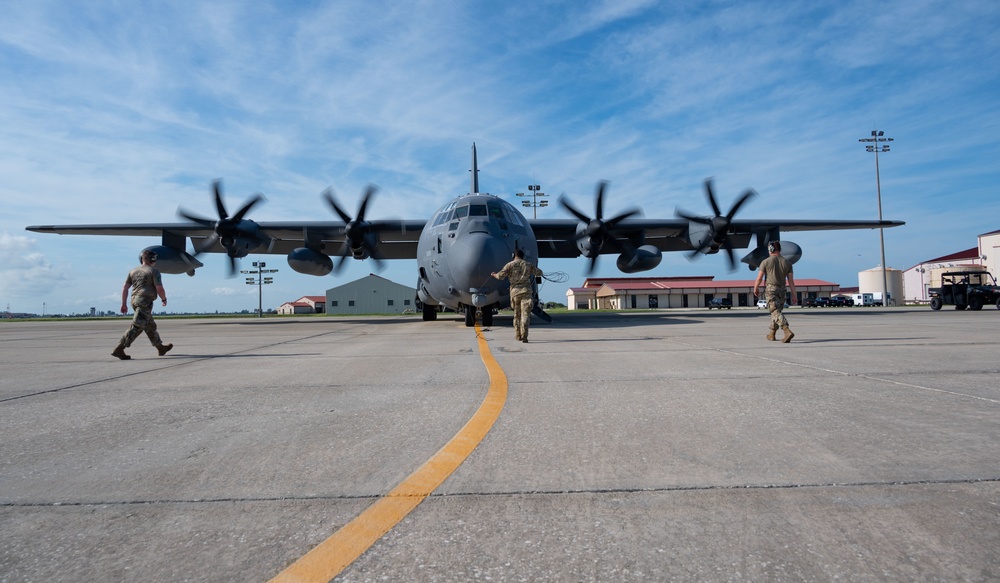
x=477 y=210
x=497 y=215
x=442 y=217
x=461 y=212
x=515 y=217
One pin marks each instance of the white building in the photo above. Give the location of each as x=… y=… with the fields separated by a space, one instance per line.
x=370 y=295
x=989 y=252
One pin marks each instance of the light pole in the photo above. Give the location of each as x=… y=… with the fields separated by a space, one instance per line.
x=877 y=143
x=259 y=280
x=923 y=292
x=534 y=203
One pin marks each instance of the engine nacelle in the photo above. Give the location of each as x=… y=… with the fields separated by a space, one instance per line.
x=309 y=262
x=698 y=234
x=170 y=260
x=790 y=251
x=645 y=258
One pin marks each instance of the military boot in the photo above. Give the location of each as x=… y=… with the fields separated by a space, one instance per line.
x=163 y=348
x=119 y=353
x=770 y=334
x=788 y=334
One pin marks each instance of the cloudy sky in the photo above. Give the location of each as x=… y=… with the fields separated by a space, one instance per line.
x=119 y=112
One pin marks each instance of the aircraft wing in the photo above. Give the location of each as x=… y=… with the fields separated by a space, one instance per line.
x=556 y=237
x=397 y=239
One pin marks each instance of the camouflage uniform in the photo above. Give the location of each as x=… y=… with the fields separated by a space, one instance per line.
x=520 y=273
x=776 y=269
x=144 y=281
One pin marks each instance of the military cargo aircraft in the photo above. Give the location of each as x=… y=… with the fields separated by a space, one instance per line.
x=464 y=241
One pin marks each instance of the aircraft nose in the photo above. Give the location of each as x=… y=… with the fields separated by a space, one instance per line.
x=476 y=255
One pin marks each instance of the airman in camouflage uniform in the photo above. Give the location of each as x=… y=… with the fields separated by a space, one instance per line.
x=145 y=284
x=775 y=270
x=520 y=273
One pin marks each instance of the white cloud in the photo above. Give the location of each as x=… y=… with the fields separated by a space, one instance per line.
x=25 y=272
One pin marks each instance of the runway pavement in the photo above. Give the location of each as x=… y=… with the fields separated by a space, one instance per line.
x=673 y=445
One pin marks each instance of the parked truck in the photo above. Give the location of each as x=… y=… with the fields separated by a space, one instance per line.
x=864 y=300
x=965 y=289
x=872 y=299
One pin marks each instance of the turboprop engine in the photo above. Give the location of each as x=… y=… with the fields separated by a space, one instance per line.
x=171 y=260
x=310 y=262
x=643 y=258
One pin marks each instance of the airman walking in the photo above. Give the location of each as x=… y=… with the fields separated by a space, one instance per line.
x=520 y=272
x=774 y=270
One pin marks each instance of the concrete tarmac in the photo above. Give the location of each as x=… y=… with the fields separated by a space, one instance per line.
x=676 y=445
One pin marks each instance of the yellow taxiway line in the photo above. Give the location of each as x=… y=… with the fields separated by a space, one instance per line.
x=333 y=555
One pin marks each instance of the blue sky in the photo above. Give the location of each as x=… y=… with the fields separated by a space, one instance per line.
x=121 y=112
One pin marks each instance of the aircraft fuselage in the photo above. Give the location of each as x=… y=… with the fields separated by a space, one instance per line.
x=467 y=239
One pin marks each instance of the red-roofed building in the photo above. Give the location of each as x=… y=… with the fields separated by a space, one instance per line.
x=624 y=293
x=304 y=305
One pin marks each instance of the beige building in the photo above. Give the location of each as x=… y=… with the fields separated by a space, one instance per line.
x=626 y=293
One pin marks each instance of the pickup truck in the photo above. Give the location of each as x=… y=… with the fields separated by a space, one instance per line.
x=815 y=302
x=720 y=303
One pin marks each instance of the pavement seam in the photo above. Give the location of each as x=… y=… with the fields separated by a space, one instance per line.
x=637 y=490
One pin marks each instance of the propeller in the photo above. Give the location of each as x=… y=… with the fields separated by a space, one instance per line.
x=718 y=226
x=597 y=230
x=236 y=234
x=359 y=235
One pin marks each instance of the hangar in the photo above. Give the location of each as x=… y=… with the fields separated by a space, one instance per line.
x=624 y=293
x=370 y=295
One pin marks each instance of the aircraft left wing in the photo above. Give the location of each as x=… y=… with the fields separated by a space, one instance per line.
x=640 y=242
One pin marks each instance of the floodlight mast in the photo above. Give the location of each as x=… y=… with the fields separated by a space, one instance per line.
x=879 y=143
x=535 y=190
x=259 y=280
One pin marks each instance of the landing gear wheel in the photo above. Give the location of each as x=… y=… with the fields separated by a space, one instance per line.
x=430 y=313
x=936 y=303
x=487 y=316
x=470 y=316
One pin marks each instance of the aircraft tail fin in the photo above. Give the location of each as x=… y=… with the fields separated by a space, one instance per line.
x=474 y=187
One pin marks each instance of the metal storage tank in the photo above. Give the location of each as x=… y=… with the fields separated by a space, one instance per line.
x=870 y=281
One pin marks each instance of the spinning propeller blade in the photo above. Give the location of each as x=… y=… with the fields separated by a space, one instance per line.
x=358 y=233
x=236 y=234
x=718 y=225
x=598 y=230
